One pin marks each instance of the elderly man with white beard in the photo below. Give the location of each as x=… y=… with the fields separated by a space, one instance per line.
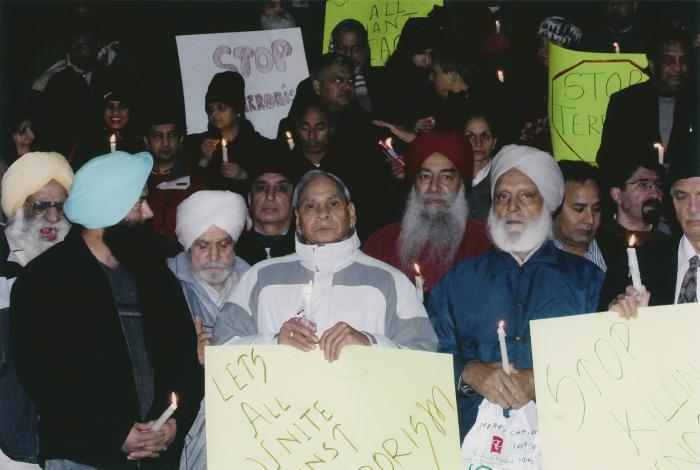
x=208 y=225
x=33 y=191
x=435 y=232
x=525 y=277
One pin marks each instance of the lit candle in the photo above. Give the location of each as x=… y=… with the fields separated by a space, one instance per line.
x=290 y=141
x=616 y=47
x=389 y=150
x=504 y=351
x=224 y=150
x=498 y=27
x=112 y=142
x=634 y=265
x=501 y=76
x=660 y=150
x=166 y=414
x=419 y=283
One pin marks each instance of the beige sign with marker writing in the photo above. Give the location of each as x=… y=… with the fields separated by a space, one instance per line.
x=616 y=394
x=274 y=407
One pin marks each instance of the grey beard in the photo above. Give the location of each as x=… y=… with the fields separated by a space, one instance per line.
x=23 y=229
x=533 y=233
x=277 y=22
x=432 y=234
x=222 y=274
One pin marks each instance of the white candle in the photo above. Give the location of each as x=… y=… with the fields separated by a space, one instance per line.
x=290 y=141
x=498 y=27
x=306 y=299
x=112 y=143
x=419 y=283
x=224 y=150
x=660 y=151
x=504 y=351
x=501 y=76
x=166 y=414
x=616 y=47
x=634 y=265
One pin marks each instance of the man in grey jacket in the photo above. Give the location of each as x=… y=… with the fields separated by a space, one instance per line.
x=208 y=225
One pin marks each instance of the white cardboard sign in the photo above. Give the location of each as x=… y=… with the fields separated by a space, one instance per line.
x=272 y=64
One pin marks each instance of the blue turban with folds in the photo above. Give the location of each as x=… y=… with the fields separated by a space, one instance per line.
x=106 y=188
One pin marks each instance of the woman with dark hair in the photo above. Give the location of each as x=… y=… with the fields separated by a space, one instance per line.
x=20 y=138
x=409 y=94
x=227 y=152
x=483 y=136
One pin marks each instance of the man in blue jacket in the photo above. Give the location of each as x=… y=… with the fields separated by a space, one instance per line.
x=524 y=278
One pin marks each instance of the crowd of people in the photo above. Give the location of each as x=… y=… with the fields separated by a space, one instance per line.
x=130 y=245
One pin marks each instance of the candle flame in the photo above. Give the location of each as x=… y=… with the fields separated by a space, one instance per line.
x=173 y=399
x=501 y=324
x=498 y=23
x=500 y=74
x=417 y=268
x=113 y=139
x=616 y=45
x=658 y=146
x=387 y=142
x=288 y=135
x=223 y=143
x=632 y=241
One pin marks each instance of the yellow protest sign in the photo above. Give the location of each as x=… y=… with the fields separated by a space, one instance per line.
x=616 y=394
x=580 y=85
x=274 y=407
x=383 y=19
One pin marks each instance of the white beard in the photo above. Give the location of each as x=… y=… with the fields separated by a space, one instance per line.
x=522 y=238
x=214 y=273
x=277 y=22
x=438 y=228
x=24 y=229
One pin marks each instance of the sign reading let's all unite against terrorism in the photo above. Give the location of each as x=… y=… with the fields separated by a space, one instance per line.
x=580 y=86
x=275 y=407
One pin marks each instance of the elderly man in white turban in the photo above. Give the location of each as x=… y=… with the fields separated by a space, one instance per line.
x=33 y=191
x=525 y=277
x=208 y=226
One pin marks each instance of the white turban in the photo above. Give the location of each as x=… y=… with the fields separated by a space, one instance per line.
x=197 y=213
x=539 y=166
x=31 y=172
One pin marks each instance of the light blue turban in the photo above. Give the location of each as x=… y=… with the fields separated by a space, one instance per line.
x=106 y=188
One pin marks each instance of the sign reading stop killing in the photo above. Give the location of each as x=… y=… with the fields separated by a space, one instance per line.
x=272 y=64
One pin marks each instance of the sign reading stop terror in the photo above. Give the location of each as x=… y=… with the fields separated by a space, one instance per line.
x=272 y=64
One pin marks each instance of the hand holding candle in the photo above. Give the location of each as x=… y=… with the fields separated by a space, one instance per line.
x=389 y=151
x=166 y=414
x=224 y=150
x=502 y=342
x=112 y=143
x=634 y=265
x=419 y=283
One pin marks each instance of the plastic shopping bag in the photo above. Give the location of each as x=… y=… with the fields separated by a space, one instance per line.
x=498 y=442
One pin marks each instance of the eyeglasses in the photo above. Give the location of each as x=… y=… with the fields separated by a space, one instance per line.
x=280 y=188
x=40 y=208
x=646 y=184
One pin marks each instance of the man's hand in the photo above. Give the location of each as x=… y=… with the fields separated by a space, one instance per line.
x=233 y=171
x=425 y=124
x=338 y=336
x=298 y=332
x=141 y=443
x=399 y=131
x=626 y=304
x=397 y=169
x=206 y=149
x=203 y=338
x=507 y=391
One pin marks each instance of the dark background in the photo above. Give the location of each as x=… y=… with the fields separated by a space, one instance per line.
x=35 y=34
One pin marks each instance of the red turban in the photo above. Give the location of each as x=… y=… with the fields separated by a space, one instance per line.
x=453 y=145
